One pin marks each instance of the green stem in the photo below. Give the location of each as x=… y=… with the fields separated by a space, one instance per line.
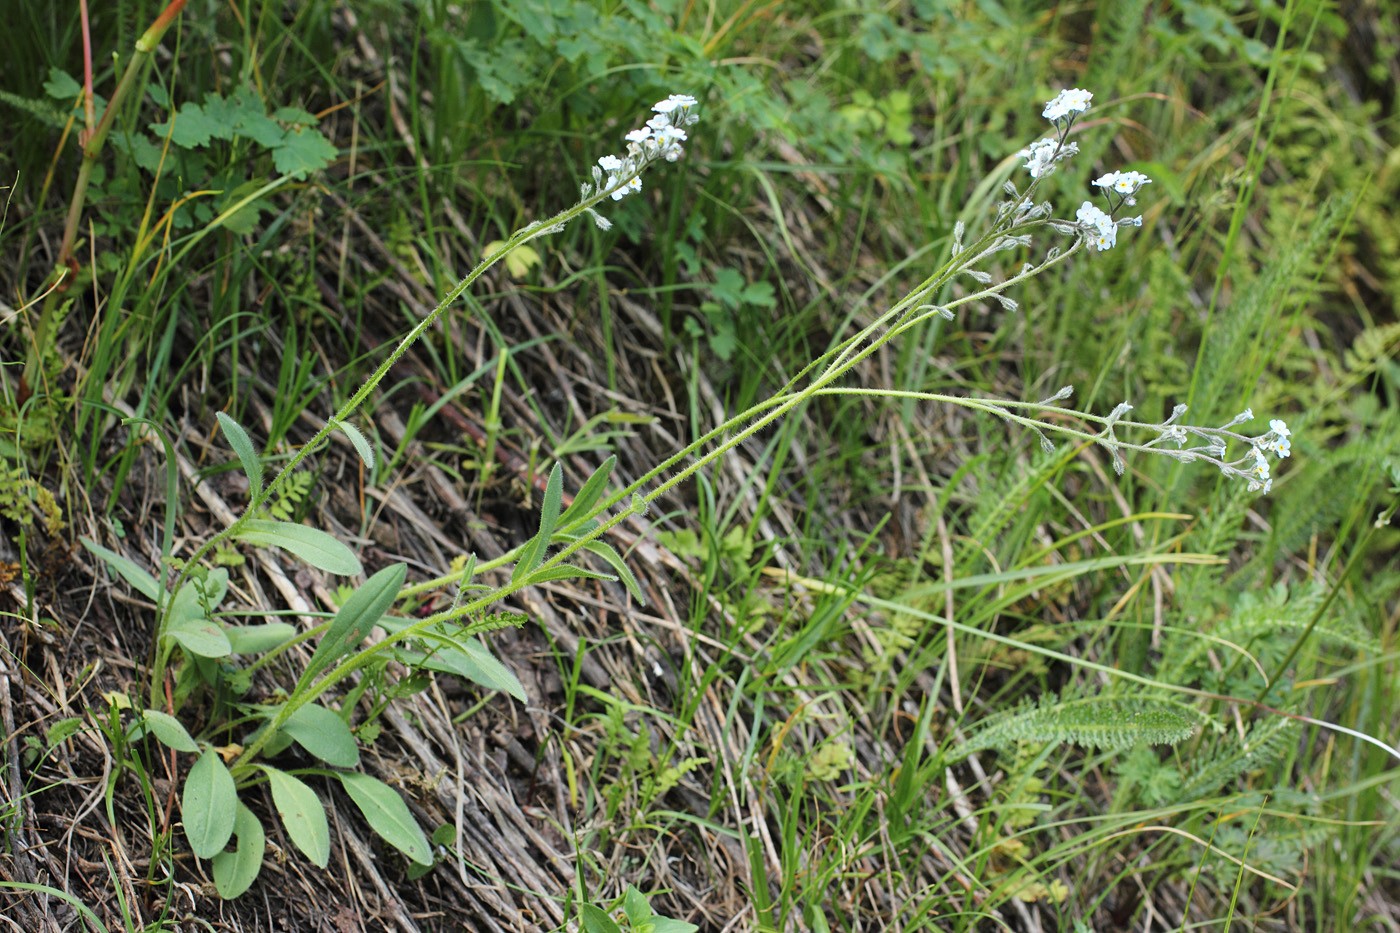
x=91 y=149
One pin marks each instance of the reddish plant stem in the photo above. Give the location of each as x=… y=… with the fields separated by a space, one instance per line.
x=93 y=138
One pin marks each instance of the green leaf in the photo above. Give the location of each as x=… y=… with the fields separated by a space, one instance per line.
x=635 y=906
x=244 y=220
x=167 y=730
x=567 y=572
x=533 y=552
x=589 y=494
x=209 y=804
x=324 y=734
x=247 y=454
x=358 y=441
x=667 y=925
x=144 y=583
x=459 y=654
x=193 y=129
x=255 y=639
x=388 y=815
x=235 y=871
x=303 y=150
x=203 y=637
x=614 y=559
x=312 y=545
x=61 y=85
x=362 y=611
x=303 y=815
x=596 y=920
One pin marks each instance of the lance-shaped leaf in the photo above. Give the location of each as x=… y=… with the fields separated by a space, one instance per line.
x=533 y=552
x=145 y=584
x=312 y=545
x=255 y=639
x=614 y=559
x=247 y=454
x=365 y=607
x=302 y=814
x=359 y=442
x=589 y=494
x=388 y=815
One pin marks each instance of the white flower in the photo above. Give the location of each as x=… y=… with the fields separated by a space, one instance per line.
x=634 y=185
x=610 y=163
x=1261 y=466
x=639 y=136
x=1246 y=415
x=1065 y=103
x=1282 y=446
x=1040 y=157
x=1279 y=427
x=1124 y=183
x=684 y=101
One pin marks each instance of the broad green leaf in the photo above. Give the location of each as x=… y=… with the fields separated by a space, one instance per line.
x=667 y=925
x=167 y=730
x=614 y=559
x=61 y=85
x=589 y=494
x=567 y=572
x=533 y=552
x=361 y=612
x=303 y=150
x=193 y=128
x=203 y=637
x=468 y=660
x=312 y=545
x=388 y=815
x=358 y=441
x=144 y=583
x=247 y=454
x=596 y=920
x=209 y=804
x=255 y=639
x=635 y=906
x=324 y=734
x=302 y=814
x=235 y=871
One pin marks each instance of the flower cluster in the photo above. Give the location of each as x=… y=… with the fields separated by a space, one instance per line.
x=1066 y=104
x=661 y=138
x=1097 y=226
x=1253 y=468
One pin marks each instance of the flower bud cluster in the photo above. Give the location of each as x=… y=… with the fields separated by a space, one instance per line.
x=661 y=138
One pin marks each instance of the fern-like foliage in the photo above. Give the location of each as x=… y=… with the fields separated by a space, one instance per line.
x=1265 y=744
x=1092 y=722
x=1267 y=627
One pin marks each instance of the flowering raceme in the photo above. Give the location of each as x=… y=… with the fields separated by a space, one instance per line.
x=661 y=138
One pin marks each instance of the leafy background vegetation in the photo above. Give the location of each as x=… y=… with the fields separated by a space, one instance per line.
x=789 y=734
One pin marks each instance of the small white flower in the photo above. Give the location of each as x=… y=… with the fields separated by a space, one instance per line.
x=1246 y=415
x=639 y=136
x=1065 y=103
x=610 y=163
x=1283 y=447
x=659 y=122
x=1124 y=183
x=634 y=185
x=1261 y=466
x=1279 y=427
x=1040 y=157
